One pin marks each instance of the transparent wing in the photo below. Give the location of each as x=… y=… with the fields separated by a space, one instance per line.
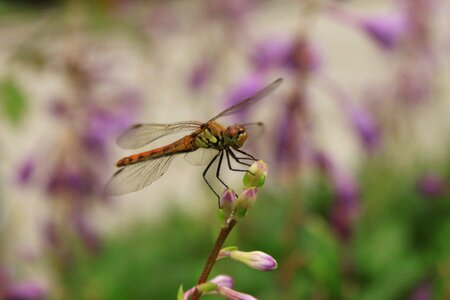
x=201 y=156
x=254 y=131
x=139 y=135
x=249 y=101
x=134 y=177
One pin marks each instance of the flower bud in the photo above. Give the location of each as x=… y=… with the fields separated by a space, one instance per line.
x=256 y=259
x=256 y=175
x=225 y=252
x=223 y=280
x=227 y=202
x=232 y=294
x=245 y=201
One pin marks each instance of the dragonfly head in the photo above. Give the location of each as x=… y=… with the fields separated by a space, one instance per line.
x=235 y=136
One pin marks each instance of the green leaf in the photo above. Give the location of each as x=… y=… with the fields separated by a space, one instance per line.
x=12 y=100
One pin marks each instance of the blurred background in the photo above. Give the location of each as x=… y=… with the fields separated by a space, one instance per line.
x=357 y=200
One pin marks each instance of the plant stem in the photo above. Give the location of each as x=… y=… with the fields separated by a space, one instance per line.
x=223 y=234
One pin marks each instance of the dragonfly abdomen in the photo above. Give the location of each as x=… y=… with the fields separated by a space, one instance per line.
x=186 y=144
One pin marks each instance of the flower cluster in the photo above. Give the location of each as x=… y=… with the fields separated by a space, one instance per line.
x=233 y=208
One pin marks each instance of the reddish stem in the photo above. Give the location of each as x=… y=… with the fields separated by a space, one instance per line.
x=223 y=234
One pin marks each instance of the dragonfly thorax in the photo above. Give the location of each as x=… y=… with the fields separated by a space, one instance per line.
x=235 y=136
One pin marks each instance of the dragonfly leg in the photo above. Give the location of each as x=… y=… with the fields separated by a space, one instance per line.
x=229 y=162
x=206 y=171
x=238 y=159
x=242 y=163
x=245 y=153
x=218 y=170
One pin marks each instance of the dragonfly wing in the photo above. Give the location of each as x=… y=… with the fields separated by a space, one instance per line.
x=201 y=156
x=139 y=135
x=254 y=131
x=134 y=177
x=249 y=101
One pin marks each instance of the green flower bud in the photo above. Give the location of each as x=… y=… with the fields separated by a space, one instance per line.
x=245 y=201
x=256 y=175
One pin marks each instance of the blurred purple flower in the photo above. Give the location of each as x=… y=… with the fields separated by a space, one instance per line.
x=71 y=179
x=58 y=108
x=162 y=19
x=244 y=89
x=291 y=54
x=199 y=75
x=290 y=133
x=365 y=126
x=105 y=122
x=271 y=53
x=231 y=10
x=432 y=185
x=414 y=83
x=346 y=205
x=86 y=232
x=27 y=290
x=26 y=171
x=50 y=234
x=22 y=290
x=419 y=15
x=424 y=291
x=385 y=30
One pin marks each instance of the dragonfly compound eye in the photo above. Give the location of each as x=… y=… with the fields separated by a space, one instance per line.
x=241 y=138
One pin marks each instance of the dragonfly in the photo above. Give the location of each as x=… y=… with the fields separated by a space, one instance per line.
x=208 y=142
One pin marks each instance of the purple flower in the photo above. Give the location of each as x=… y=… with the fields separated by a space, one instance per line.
x=244 y=89
x=27 y=290
x=271 y=53
x=432 y=185
x=105 y=122
x=365 y=126
x=86 y=232
x=289 y=137
x=386 y=30
x=26 y=171
x=199 y=75
x=346 y=205
x=423 y=291
x=231 y=10
x=295 y=54
x=68 y=178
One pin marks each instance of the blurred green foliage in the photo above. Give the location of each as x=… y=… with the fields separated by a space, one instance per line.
x=12 y=100
x=400 y=240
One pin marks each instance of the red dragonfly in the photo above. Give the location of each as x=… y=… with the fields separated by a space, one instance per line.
x=207 y=142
